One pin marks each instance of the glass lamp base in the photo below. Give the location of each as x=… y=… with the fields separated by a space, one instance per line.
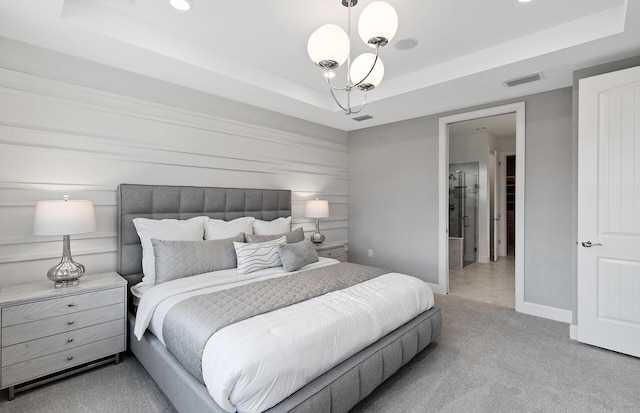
x=67 y=272
x=66 y=283
x=317 y=238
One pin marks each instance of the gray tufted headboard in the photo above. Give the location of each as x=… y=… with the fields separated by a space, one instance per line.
x=184 y=202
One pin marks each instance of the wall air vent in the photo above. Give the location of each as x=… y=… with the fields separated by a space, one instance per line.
x=361 y=118
x=522 y=80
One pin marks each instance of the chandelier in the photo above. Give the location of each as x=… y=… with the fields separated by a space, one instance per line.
x=330 y=46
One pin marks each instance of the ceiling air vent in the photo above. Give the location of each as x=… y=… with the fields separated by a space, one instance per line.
x=522 y=80
x=363 y=117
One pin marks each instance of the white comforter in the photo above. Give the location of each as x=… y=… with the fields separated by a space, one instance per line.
x=254 y=364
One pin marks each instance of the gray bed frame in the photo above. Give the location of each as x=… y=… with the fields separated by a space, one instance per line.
x=335 y=391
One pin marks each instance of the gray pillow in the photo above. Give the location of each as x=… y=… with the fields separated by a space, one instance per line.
x=297 y=255
x=179 y=259
x=296 y=235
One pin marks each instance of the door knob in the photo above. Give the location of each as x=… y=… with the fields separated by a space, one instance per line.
x=589 y=244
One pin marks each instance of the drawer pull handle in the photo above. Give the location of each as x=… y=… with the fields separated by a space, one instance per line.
x=70 y=322
x=71 y=305
x=70 y=358
x=70 y=340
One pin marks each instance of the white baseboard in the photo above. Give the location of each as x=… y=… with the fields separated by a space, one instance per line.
x=544 y=311
x=483 y=259
x=573 y=332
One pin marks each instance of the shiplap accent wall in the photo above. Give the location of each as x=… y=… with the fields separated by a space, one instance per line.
x=58 y=138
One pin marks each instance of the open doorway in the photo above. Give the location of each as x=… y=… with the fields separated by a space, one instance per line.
x=491 y=193
x=482 y=209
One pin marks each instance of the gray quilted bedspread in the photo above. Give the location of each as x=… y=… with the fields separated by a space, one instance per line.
x=190 y=323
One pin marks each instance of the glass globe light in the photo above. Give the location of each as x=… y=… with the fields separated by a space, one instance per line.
x=361 y=66
x=328 y=46
x=378 y=23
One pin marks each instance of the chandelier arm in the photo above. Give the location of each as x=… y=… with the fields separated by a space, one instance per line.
x=372 y=66
x=331 y=87
x=364 y=102
x=345 y=110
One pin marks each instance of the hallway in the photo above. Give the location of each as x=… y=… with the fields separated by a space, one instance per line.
x=492 y=283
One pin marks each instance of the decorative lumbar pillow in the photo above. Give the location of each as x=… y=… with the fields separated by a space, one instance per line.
x=164 y=229
x=220 y=229
x=179 y=259
x=258 y=256
x=277 y=226
x=296 y=256
x=296 y=235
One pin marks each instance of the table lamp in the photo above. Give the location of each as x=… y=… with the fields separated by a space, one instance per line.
x=64 y=217
x=317 y=209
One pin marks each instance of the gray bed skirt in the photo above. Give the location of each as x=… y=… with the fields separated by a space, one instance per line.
x=336 y=391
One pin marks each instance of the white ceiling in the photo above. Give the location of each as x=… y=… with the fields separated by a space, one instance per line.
x=255 y=51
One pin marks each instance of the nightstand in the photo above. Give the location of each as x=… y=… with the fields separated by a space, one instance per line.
x=335 y=250
x=51 y=333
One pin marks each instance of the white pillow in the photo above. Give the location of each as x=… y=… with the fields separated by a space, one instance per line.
x=220 y=229
x=277 y=226
x=166 y=230
x=258 y=255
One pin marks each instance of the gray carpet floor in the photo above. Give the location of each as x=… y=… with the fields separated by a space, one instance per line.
x=488 y=359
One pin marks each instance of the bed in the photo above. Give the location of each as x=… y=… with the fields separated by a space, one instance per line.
x=336 y=390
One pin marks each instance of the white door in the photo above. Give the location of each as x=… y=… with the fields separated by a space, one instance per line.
x=609 y=211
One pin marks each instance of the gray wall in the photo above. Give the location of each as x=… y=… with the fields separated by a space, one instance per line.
x=549 y=237
x=393 y=196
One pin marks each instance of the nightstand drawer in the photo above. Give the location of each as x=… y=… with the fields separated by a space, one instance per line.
x=25 y=313
x=27 y=370
x=59 y=342
x=336 y=253
x=37 y=329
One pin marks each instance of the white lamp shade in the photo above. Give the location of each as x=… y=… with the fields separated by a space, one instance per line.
x=378 y=19
x=64 y=217
x=317 y=208
x=361 y=66
x=329 y=42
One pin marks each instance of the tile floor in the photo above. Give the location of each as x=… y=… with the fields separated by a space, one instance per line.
x=492 y=283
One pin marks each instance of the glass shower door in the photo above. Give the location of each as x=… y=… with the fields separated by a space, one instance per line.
x=463 y=207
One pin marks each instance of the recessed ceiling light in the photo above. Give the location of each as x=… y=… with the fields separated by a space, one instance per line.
x=329 y=74
x=406 y=44
x=524 y=1
x=182 y=5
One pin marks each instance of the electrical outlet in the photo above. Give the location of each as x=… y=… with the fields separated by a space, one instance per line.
x=370 y=253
